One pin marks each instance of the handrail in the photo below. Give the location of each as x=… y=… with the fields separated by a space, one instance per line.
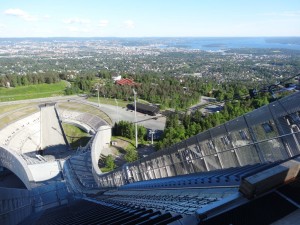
x=179 y=159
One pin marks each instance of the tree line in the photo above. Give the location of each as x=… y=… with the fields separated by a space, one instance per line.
x=15 y=80
x=127 y=129
x=180 y=126
x=177 y=92
x=79 y=84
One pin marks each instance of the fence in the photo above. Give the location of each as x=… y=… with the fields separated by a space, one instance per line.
x=267 y=134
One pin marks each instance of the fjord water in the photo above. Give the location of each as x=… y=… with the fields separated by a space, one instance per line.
x=200 y=43
x=219 y=43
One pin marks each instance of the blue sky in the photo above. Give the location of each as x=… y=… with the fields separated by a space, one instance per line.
x=149 y=18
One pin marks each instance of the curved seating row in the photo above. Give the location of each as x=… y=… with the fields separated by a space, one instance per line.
x=86 y=118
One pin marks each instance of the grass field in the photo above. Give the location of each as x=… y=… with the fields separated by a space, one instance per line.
x=32 y=91
x=76 y=137
x=10 y=108
x=15 y=115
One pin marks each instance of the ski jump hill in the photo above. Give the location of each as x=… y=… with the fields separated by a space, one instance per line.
x=245 y=171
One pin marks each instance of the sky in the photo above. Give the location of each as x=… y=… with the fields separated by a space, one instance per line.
x=149 y=18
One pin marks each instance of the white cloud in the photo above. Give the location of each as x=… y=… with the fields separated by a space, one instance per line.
x=129 y=24
x=103 y=23
x=2 y=25
x=77 y=20
x=78 y=29
x=21 y=14
x=46 y=17
x=284 y=14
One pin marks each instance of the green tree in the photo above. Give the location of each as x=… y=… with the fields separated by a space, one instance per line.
x=62 y=76
x=72 y=90
x=24 y=81
x=142 y=132
x=109 y=162
x=127 y=129
x=131 y=154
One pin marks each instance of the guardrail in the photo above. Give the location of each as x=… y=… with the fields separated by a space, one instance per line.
x=267 y=134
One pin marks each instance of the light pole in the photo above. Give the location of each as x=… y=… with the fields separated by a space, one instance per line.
x=152 y=132
x=117 y=110
x=135 y=121
x=98 y=96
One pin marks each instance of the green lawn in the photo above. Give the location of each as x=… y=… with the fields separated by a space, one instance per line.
x=32 y=91
x=8 y=108
x=116 y=138
x=76 y=137
x=17 y=114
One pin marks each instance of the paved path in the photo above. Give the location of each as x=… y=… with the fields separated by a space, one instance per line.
x=114 y=112
x=41 y=100
x=119 y=113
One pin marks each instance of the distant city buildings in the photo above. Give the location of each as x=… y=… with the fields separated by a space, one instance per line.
x=80 y=57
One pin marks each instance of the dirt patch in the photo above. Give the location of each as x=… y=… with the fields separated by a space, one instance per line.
x=118 y=151
x=121 y=143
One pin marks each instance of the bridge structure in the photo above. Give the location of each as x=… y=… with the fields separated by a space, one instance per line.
x=228 y=174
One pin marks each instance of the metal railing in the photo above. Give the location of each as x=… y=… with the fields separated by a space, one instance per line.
x=268 y=134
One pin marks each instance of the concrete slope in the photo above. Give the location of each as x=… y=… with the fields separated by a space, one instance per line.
x=51 y=133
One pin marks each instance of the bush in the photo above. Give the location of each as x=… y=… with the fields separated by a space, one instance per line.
x=131 y=154
x=127 y=129
x=110 y=163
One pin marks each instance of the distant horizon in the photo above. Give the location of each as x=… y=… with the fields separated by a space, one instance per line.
x=187 y=43
x=155 y=18
x=154 y=37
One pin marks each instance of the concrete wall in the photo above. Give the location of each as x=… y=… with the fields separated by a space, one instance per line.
x=17 y=165
x=102 y=140
x=16 y=205
x=44 y=171
x=51 y=132
x=51 y=195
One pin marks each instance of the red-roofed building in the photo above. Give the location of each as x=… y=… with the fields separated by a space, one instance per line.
x=126 y=81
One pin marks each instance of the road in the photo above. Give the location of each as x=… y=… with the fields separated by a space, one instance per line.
x=42 y=100
x=207 y=105
x=114 y=112
x=122 y=113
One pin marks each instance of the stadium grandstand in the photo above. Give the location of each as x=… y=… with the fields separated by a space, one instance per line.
x=245 y=171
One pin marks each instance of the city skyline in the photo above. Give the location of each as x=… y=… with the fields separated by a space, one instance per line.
x=154 y=18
